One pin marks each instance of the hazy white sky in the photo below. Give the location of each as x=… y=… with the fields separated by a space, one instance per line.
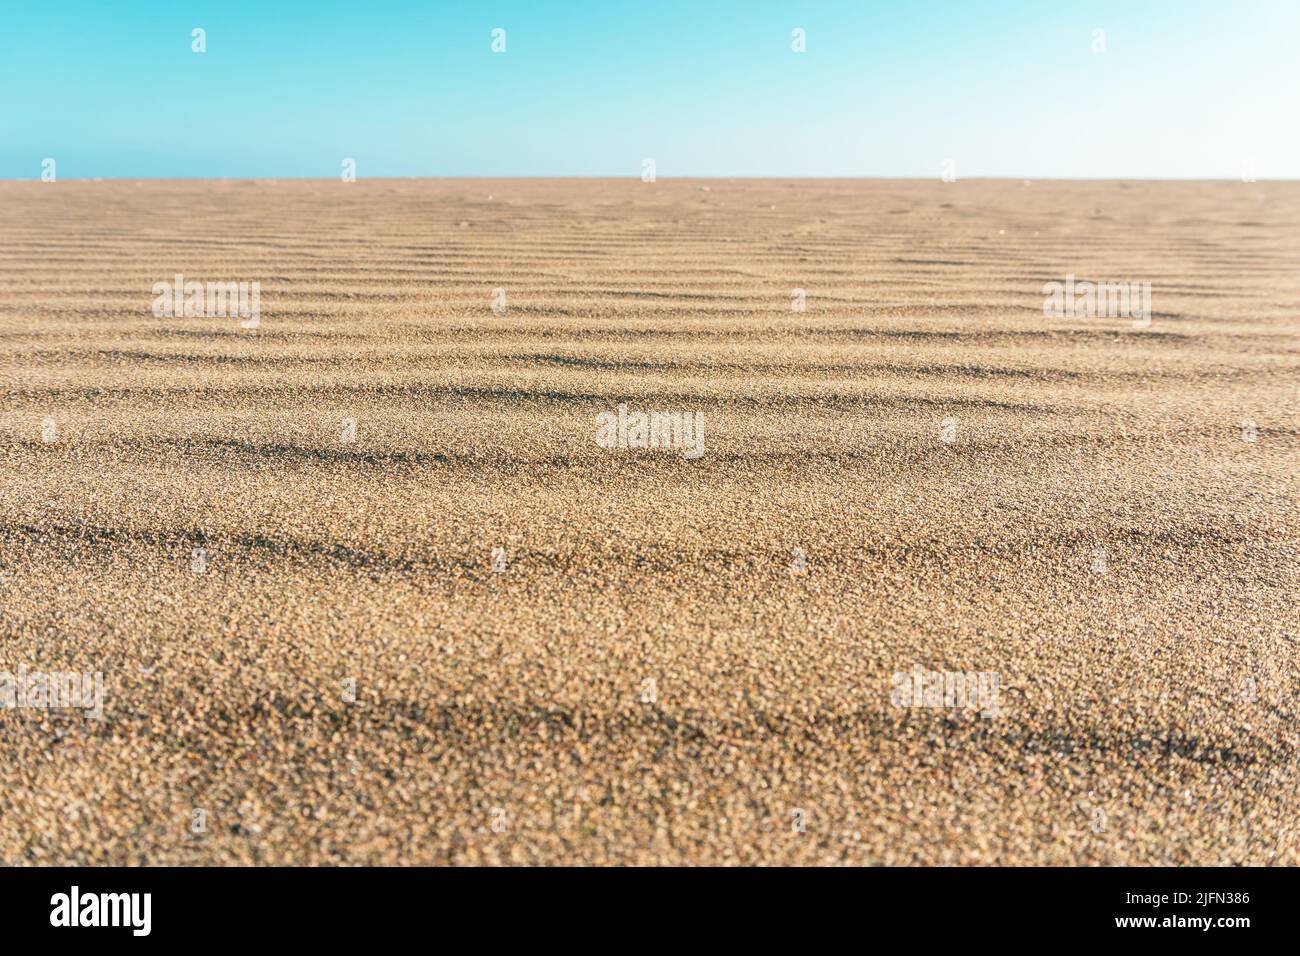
x=1182 y=89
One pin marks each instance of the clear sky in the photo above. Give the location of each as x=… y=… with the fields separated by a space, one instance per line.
x=1185 y=88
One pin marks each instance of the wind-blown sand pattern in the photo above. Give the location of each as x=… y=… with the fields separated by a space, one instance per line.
x=651 y=679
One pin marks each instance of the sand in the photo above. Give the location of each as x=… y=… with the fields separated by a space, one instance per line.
x=682 y=661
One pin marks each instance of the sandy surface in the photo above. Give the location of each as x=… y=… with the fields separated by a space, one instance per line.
x=652 y=678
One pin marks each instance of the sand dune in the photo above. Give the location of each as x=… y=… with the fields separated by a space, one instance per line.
x=683 y=661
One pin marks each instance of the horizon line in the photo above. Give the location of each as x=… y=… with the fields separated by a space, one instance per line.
x=637 y=178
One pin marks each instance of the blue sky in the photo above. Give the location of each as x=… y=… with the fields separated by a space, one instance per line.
x=1183 y=89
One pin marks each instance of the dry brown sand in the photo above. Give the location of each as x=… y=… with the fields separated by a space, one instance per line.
x=651 y=679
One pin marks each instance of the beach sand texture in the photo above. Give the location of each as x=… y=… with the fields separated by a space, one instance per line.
x=683 y=661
